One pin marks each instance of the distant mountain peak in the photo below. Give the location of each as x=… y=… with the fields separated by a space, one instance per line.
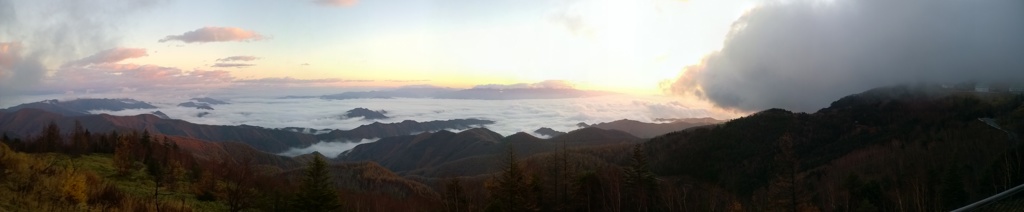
x=366 y=114
x=209 y=100
x=79 y=107
x=548 y=132
x=650 y=130
x=480 y=133
x=522 y=137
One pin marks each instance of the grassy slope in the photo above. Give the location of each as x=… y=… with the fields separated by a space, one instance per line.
x=139 y=184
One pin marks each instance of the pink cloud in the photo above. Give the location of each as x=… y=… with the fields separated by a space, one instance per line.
x=289 y=80
x=547 y=84
x=337 y=3
x=9 y=54
x=109 y=56
x=231 y=65
x=238 y=58
x=215 y=34
x=112 y=76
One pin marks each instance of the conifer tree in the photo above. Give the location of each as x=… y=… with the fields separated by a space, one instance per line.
x=123 y=155
x=79 y=140
x=50 y=140
x=785 y=191
x=454 y=195
x=509 y=190
x=317 y=191
x=640 y=182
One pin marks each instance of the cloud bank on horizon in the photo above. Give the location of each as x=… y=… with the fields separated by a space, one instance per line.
x=509 y=116
x=801 y=55
x=547 y=84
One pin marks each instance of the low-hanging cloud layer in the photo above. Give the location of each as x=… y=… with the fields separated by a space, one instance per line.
x=215 y=34
x=328 y=149
x=802 y=55
x=509 y=116
x=547 y=84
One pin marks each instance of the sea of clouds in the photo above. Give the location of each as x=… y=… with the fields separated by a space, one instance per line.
x=510 y=116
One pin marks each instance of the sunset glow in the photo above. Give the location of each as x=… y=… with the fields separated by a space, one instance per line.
x=614 y=45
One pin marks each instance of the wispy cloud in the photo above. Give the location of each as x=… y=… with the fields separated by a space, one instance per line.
x=113 y=77
x=407 y=81
x=238 y=58
x=548 y=84
x=231 y=65
x=337 y=3
x=215 y=34
x=294 y=81
x=109 y=56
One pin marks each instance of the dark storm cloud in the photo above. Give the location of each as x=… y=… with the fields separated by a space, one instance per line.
x=802 y=55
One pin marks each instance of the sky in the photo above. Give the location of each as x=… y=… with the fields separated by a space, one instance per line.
x=738 y=55
x=803 y=55
x=104 y=45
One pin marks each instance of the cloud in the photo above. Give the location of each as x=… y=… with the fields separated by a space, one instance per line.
x=238 y=58
x=407 y=81
x=16 y=71
x=802 y=55
x=329 y=149
x=35 y=36
x=109 y=56
x=547 y=84
x=231 y=65
x=337 y=3
x=293 y=81
x=575 y=23
x=114 y=77
x=215 y=34
x=266 y=110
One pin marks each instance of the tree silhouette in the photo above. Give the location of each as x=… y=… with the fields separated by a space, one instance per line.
x=50 y=140
x=317 y=191
x=454 y=195
x=79 y=140
x=509 y=190
x=123 y=155
x=640 y=181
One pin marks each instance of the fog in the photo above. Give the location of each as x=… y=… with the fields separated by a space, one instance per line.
x=328 y=149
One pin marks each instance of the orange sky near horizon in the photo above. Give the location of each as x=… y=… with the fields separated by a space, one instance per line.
x=613 y=45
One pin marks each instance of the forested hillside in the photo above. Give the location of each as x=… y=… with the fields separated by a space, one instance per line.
x=906 y=148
